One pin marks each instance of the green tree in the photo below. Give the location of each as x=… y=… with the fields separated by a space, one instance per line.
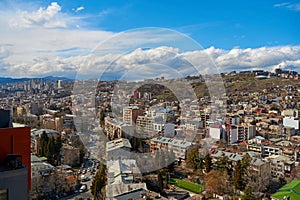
x=43 y=141
x=207 y=163
x=81 y=154
x=100 y=182
x=222 y=163
x=238 y=179
x=240 y=173
x=160 y=181
x=248 y=194
x=102 y=116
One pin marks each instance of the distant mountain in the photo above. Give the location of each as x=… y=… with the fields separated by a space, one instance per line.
x=47 y=78
x=56 y=78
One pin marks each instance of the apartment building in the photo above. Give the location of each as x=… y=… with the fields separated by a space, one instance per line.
x=130 y=114
x=245 y=132
x=117 y=129
x=179 y=147
x=144 y=126
x=281 y=166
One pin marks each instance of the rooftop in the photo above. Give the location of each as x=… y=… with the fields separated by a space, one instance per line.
x=118 y=143
x=172 y=141
x=291 y=190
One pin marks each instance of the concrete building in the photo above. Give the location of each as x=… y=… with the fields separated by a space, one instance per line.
x=144 y=126
x=245 y=132
x=123 y=171
x=216 y=131
x=205 y=117
x=124 y=177
x=232 y=134
x=118 y=149
x=234 y=120
x=39 y=168
x=117 y=129
x=269 y=150
x=179 y=147
x=291 y=122
x=281 y=166
x=130 y=114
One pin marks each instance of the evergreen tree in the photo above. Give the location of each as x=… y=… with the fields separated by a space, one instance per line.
x=160 y=181
x=238 y=179
x=193 y=159
x=207 y=163
x=43 y=141
x=81 y=154
x=248 y=194
x=102 y=116
x=99 y=182
x=222 y=163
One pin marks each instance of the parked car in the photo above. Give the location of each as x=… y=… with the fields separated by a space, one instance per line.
x=82 y=188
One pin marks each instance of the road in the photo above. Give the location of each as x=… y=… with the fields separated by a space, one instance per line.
x=87 y=170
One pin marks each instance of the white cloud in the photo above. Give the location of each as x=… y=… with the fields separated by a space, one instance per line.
x=281 y=4
x=80 y=8
x=49 y=17
x=163 y=61
x=288 y=5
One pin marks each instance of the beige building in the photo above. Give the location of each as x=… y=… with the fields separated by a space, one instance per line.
x=117 y=129
x=130 y=114
x=281 y=166
x=245 y=132
x=144 y=126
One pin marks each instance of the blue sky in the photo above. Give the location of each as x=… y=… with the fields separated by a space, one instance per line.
x=224 y=24
x=58 y=30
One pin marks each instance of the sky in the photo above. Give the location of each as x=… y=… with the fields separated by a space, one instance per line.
x=94 y=37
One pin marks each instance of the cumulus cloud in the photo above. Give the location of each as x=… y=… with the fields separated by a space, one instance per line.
x=49 y=17
x=164 y=61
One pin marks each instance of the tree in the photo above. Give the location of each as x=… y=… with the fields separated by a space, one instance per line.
x=248 y=194
x=43 y=141
x=100 y=182
x=217 y=182
x=295 y=174
x=241 y=175
x=207 y=163
x=81 y=154
x=193 y=159
x=50 y=148
x=222 y=163
x=238 y=176
x=160 y=181
x=102 y=116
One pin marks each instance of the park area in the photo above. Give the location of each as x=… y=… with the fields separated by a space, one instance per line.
x=192 y=187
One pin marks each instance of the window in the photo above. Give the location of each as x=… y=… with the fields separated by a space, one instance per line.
x=3 y=194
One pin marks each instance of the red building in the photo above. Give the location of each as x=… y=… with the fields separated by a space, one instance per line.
x=16 y=140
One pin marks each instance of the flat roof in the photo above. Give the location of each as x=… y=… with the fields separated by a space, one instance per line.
x=118 y=143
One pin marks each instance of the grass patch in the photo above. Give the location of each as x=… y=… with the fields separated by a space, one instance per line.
x=193 y=187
